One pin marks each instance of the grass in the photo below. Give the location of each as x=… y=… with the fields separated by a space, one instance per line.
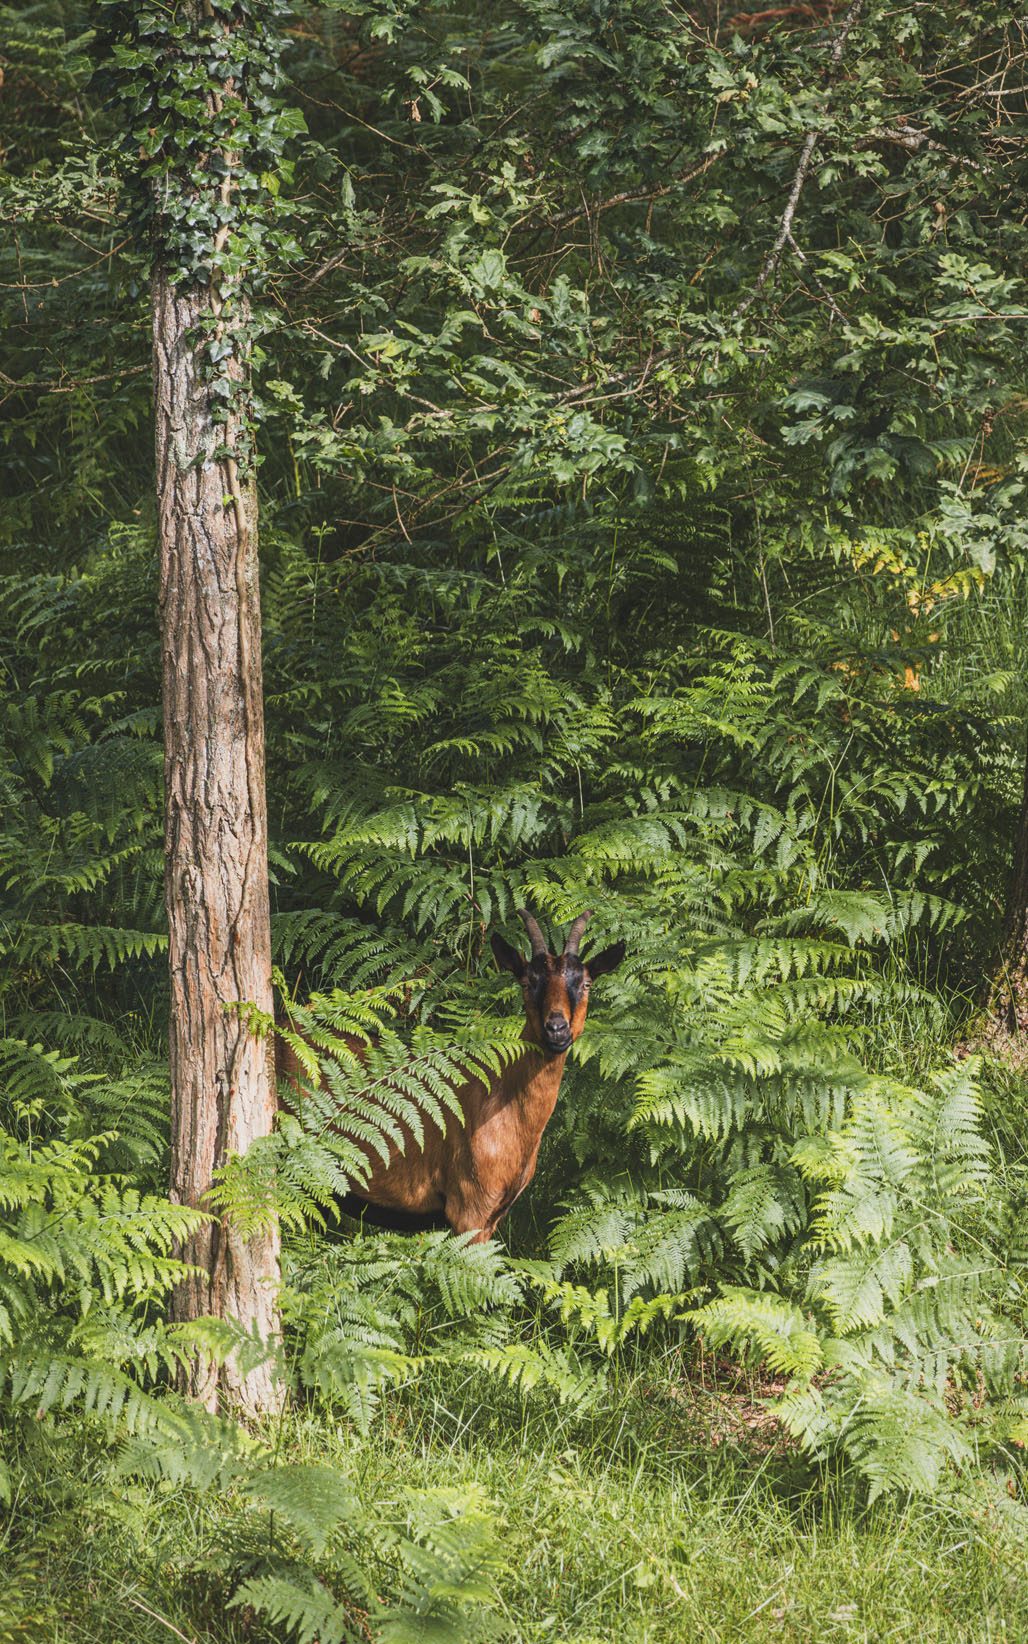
x=631 y=1526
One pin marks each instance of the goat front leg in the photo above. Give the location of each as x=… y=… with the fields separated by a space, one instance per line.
x=479 y=1214
x=474 y=1215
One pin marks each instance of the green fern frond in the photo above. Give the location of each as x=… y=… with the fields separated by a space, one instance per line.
x=763 y=1325
x=450 y=1560
x=528 y=1366
x=191 y=1447
x=314 y=1500
x=296 y=1600
x=47 y=1380
x=765 y=1202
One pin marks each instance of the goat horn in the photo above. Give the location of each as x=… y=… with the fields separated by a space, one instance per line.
x=575 y=933
x=535 y=934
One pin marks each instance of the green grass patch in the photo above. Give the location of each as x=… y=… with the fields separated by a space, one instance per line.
x=658 y=1522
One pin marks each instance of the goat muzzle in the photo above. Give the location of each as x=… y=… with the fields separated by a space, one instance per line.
x=557 y=1033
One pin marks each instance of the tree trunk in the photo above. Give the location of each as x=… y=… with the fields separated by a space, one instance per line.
x=216 y=869
x=1007 y=1005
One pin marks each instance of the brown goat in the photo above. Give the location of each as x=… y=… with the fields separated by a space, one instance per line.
x=472 y=1171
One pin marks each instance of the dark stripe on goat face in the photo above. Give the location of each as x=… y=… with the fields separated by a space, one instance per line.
x=556 y=993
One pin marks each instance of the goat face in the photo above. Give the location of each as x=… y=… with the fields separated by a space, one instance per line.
x=555 y=988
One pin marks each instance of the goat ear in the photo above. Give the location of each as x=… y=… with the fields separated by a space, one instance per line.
x=598 y=964
x=506 y=957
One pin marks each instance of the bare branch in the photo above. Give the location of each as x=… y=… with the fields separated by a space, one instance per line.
x=769 y=266
x=913 y=138
x=74 y=384
x=826 y=294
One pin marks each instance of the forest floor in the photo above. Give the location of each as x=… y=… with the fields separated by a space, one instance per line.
x=680 y=1514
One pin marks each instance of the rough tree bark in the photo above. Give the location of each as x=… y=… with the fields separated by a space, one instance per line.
x=1006 y=1010
x=216 y=874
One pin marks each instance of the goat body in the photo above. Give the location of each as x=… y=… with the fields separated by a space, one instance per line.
x=472 y=1169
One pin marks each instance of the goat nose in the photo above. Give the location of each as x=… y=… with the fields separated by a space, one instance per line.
x=558 y=1030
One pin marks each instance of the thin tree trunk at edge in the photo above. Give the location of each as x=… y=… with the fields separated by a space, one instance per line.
x=216 y=872
x=1007 y=1001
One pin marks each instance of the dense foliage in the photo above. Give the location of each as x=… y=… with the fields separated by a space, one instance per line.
x=641 y=530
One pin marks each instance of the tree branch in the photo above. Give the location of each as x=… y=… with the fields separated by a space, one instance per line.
x=769 y=266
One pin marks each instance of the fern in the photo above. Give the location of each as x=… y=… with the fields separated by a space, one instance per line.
x=313 y=1500
x=770 y=833
x=591 y=1309
x=296 y=1600
x=320 y=1537
x=85 y=1254
x=367 y=1313
x=895 y=1313
x=449 y=1557
x=529 y=1365
x=39 y=1377
x=771 y=1326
